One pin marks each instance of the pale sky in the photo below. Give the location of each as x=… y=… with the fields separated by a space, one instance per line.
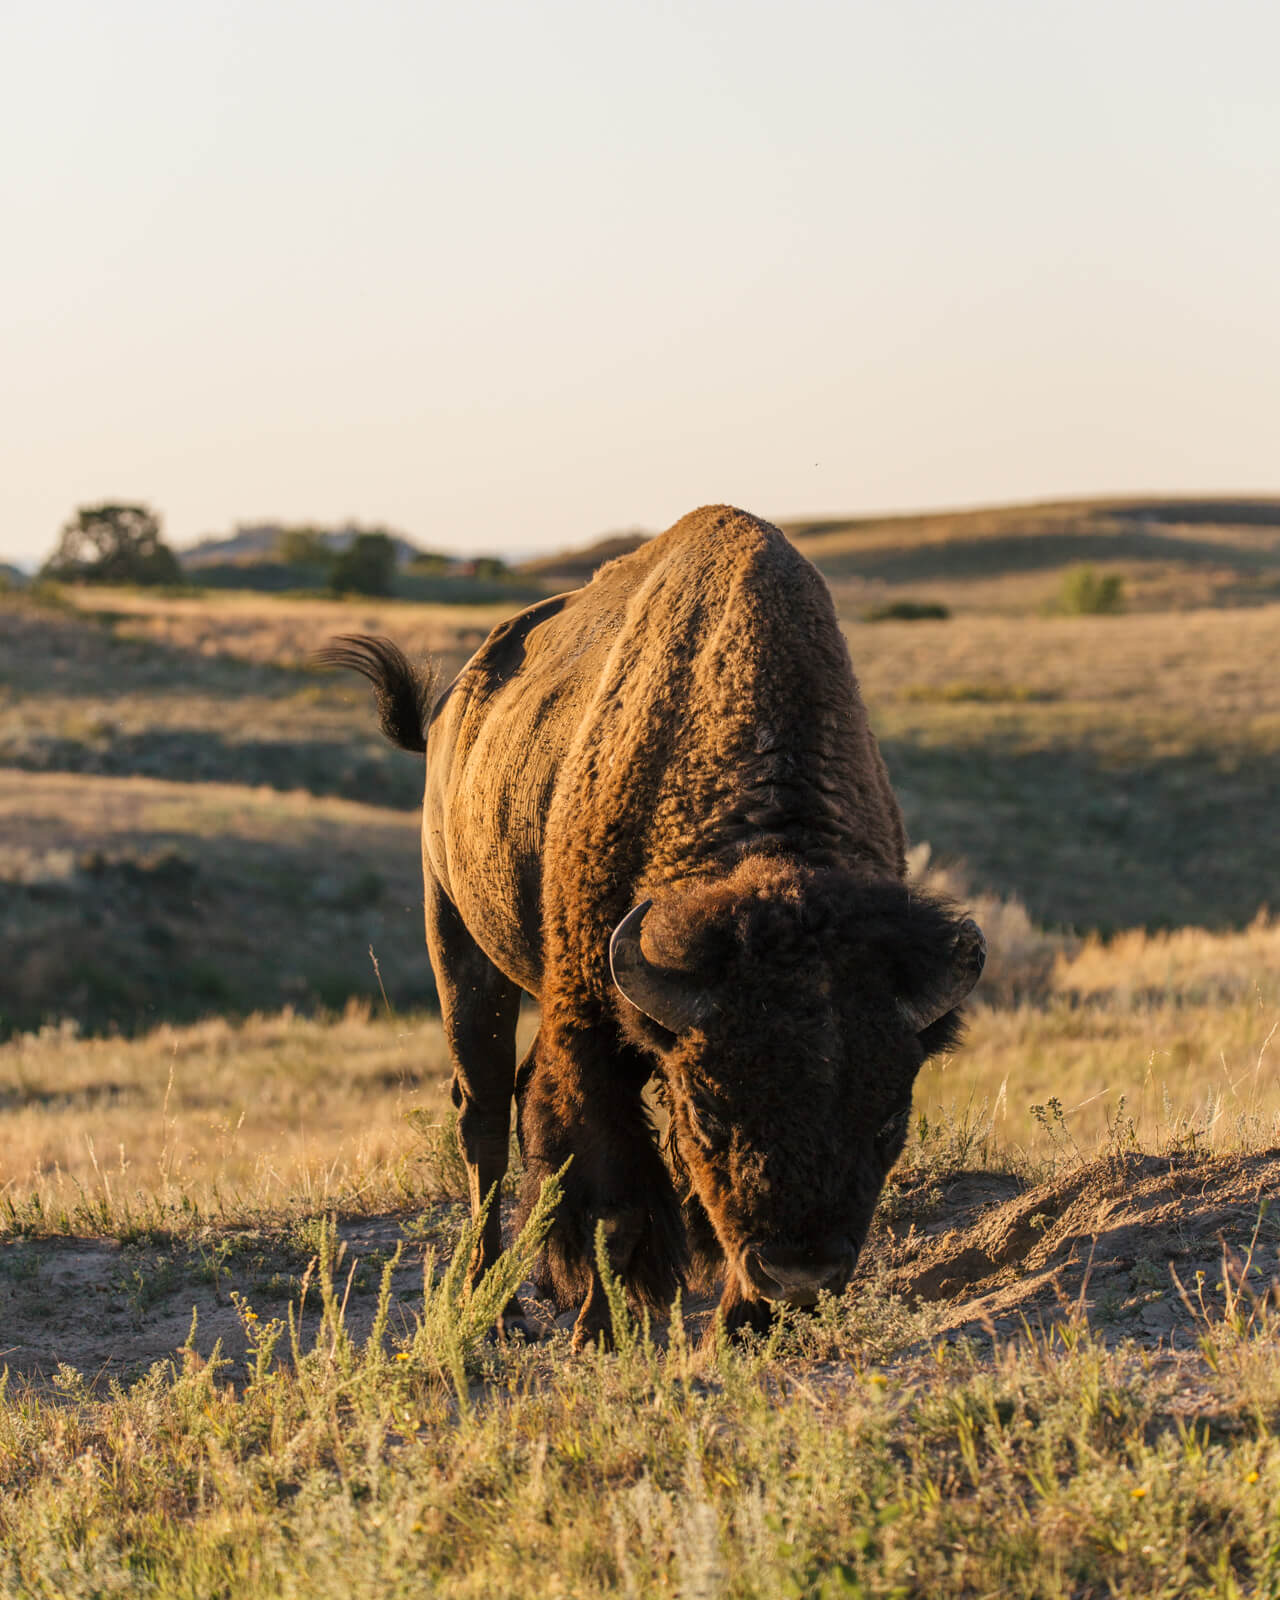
x=505 y=277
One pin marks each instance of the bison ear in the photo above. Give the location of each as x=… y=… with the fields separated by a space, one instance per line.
x=961 y=970
x=668 y=998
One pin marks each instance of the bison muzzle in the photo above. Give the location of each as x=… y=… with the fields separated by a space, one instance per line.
x=655 y=805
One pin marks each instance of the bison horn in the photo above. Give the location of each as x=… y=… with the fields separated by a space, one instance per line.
x=964 y=968
x=667 y=997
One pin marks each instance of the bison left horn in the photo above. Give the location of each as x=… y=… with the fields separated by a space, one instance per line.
x=964 y=968
x=667 y=998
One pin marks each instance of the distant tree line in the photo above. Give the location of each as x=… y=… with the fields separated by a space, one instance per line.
x=121 y=543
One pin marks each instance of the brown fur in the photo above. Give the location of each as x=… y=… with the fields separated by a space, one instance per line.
x=686 y=729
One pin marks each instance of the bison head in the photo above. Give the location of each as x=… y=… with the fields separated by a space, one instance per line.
x=791 y=1009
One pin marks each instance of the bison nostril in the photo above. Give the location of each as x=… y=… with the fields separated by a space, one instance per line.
x=798 y=1275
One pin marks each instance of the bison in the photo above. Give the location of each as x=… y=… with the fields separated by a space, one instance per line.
x=655 y=804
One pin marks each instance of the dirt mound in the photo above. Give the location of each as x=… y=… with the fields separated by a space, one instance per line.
x=1099 y=1241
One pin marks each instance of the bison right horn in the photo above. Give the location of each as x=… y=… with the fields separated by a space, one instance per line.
x=667 y=998
x=968 y=957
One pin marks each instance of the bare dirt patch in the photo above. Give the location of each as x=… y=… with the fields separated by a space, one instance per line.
x=1104 y=1246
x=111 y=1310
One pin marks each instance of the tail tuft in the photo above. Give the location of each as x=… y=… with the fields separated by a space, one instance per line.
x=405 y=693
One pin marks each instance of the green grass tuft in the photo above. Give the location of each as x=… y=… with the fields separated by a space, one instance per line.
x=1085 y=592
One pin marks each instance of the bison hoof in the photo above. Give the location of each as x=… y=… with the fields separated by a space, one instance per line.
x=514 y=1326
x=594 y=1322
x=739 y=1316
x=589 y=1331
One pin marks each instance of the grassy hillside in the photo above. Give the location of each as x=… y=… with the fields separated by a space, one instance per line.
x=1171 y=553
x=174 y=838
x=125 y=900
x=1107 y=771
x=1112 y=771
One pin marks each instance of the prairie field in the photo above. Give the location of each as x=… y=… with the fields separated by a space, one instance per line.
x=238 y=1356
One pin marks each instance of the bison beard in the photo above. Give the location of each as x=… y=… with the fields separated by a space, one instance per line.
x=655 y=805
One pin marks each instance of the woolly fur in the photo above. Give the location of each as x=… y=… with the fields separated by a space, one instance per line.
x=686 y=728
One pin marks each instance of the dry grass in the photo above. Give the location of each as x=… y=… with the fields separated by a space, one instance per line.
x=1152 y=684
x=1173 y=1033
x=1183 y=967
x=1109 y=771
x=851 y=1454
x=282 y=631
x=129 y=899
x=208 y=703
x=219 y=1120
x=1206 y=1073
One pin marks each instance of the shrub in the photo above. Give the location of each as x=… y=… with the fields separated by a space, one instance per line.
x=366 y=566
x=908 y=611
x=1087 y=592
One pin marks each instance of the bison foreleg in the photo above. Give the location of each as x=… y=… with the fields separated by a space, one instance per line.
x=738 y=1311
x=705 y=1253
x=485 y=1146
x=581 y=1105
x=479 y=1009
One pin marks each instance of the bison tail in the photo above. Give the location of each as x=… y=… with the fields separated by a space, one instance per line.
x=405 y=693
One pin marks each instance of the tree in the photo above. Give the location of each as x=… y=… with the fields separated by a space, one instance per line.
x=112 y=544
x=430 y=564
x=303 y=547
x=366 y=566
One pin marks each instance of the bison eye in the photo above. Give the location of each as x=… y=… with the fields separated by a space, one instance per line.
x=892 y=1135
